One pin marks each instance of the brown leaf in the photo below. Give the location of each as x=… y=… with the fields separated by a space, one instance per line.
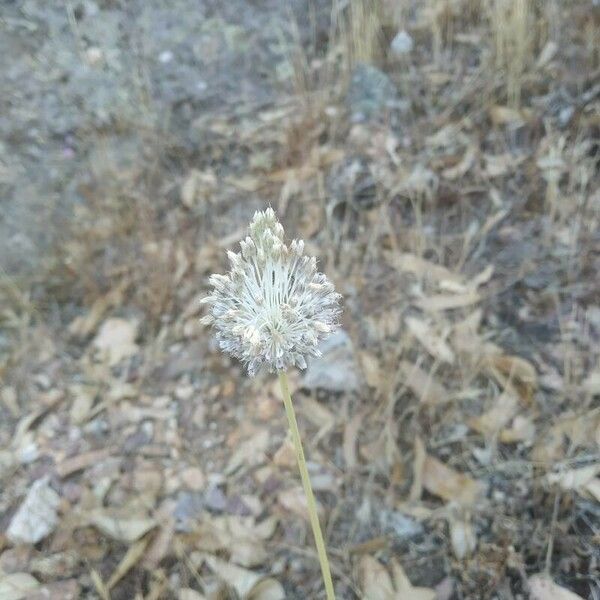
x=423 y=385
x=17 y=586
x=376 y=582
x=350 y=441
x=542 y=587
x=448 y=301
x=494 y=420
x=116 y=340
x=416 y=488
x=405 y=589
x=432 y=342
x=131 y=558
x=122 y=528
x=440 y=480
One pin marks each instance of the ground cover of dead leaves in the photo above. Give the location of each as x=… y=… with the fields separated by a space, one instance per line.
x=136 y=466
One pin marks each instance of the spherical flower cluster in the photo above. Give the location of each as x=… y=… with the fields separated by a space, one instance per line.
x=273 y=307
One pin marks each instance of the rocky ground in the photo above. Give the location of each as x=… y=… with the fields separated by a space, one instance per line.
x=440 y=159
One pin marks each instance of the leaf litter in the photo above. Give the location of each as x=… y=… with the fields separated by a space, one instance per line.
x=464 y=402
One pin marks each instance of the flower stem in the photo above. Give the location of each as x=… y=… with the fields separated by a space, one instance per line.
x=310 y=497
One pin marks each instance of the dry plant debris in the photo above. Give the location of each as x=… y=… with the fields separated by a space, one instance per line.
x=449 y=186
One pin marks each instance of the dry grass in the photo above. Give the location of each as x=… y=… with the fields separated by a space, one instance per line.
x=464 y=237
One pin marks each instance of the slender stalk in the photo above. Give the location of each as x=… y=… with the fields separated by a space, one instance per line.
x=310 y=497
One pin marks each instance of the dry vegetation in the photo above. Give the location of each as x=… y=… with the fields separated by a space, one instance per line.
x=460 y=222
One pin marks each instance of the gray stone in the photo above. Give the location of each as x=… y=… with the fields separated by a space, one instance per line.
x=402 y=44
x=370 y=92
x=336 y=370
x=401 y=526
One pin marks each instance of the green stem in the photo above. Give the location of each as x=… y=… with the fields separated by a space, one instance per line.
x=310 y=497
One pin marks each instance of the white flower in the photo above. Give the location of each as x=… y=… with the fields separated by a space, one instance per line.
x=273 y=307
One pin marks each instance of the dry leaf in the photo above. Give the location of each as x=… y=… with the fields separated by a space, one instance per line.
x=490 y=423
x=416 y=488
x=432 y=342
x=116 y=340
x=542 y=587
x=404 y=588
x=85 y=325
x=294 y=500
x=370 y=368
x=131 y=558
x=58 y=590
x=376 y=582
x=423 y=385
x=462 y=536
x=17 y=586
x=267 y=589
x=448 y=301
x=71 y=465
x=423 y=268
x=318 y=415
x=247 y=584
x=189 y=594
x=350 y=440
x=582 y=480
x=122 y=528
x=251 y=452
x=463 y=166
x=440 y=480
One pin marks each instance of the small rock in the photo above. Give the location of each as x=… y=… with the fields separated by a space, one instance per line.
x=336 y=370
x=370 y=91
x=215 y=500
x=400 y=525
x=188 y=508
x=565 y=115
x=37 y=515
x=193 y=478
x=402 y=44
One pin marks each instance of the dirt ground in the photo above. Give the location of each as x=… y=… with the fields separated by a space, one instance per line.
x=442 y=161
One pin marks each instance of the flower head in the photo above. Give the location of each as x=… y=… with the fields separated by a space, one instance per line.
x=273 y=307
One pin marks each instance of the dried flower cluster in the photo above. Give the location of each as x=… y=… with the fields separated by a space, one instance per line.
x=273 y=307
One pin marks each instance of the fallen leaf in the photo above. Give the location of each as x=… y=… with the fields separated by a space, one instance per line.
x=318 y=415
x=423 y=385
x=432 y=342
x=541 y=587
x=416 y=488
x=294 y=501
x=448 y=301
x=131 y=558
x=85 y=325
x=440 y=480
x=247 y=584
x=267 y=589
x=462 y=536
x=376 y=582
x=404 y=587
x=116 y=340
x=490 y=423
x=460 y=169
x=122 y=528
x=350 y=441
x=422 y=267
x=37 y=516
x=17 y=586
x=582 y=480
x=58 y=590
x=189 y=594
x=251 y=452
x=71 y=465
